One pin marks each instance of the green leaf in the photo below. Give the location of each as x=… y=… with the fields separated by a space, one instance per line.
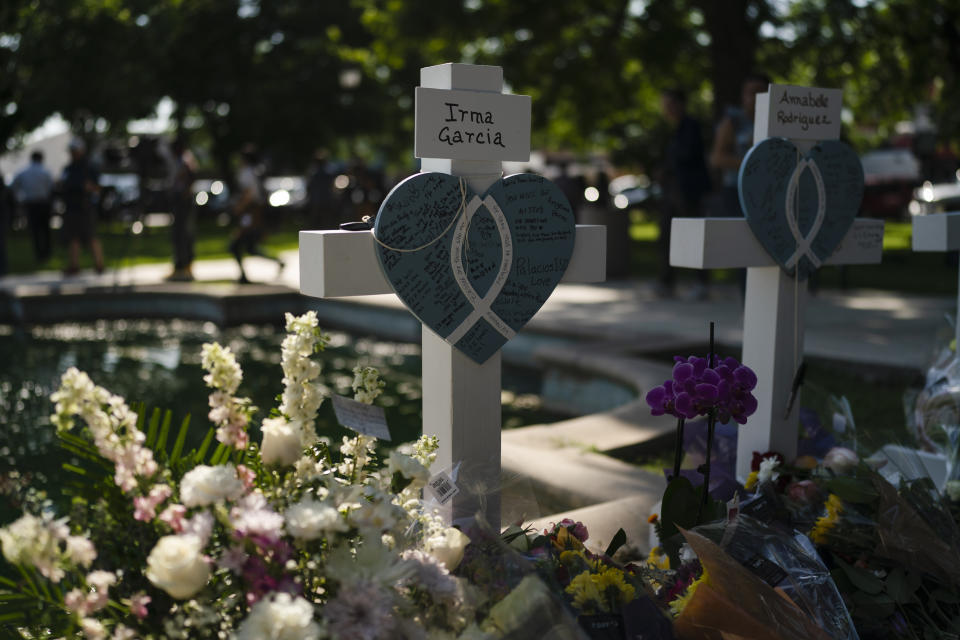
x=181 y=438
x=861 y=578
x=852 y=489
x=201 y=453
x=11 y=617
x=220 y=454
x=874 y=605
x=164 y=431
x=949 y=597
x=152 y=429
x=902 y=585
x=619 y=539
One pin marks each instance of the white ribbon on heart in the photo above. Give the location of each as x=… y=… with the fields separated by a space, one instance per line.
x=481 y=306
x=793 y=221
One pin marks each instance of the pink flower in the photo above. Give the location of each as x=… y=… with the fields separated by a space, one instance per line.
x=804 y=491
x=174 y=517
x=145 y=507
x=138 y=605
x=578 y=529
x=247 y=476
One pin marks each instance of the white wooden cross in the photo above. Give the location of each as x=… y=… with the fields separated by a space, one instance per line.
x=461 y=399
x=773 y=308
x=939 y=232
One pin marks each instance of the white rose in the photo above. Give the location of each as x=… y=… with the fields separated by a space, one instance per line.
x=205 y=485
x=281 y=441
x=447 y=547
x=177 y=566
x=280 y=617
x=840 y=460
x=400 y=460
x=309 y=519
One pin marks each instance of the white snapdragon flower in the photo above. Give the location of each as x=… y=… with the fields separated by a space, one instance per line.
x=204 y=485
x=230 y=414
x=302 y=395
x=176 y=565
x=112 y=425
x=282 y=441
x=310 y=519
x=280 y=616
x=367 y=385
x=224 y=372
x=34 y=541
x=81 y=551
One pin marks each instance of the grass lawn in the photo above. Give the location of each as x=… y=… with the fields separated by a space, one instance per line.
x=123 y=248
x=901 y=270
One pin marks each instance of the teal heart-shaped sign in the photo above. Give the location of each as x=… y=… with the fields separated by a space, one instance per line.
x=474 y=268
x=799 y=206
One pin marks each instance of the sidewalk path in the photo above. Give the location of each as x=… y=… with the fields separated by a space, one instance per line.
x=868 y=326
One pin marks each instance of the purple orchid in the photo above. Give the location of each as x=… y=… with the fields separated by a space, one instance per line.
x=697 y=388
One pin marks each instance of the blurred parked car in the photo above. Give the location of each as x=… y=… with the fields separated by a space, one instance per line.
x=936 y=198
x=119 y=194
x=890 y=176
x=633 y=191
x=286 y=191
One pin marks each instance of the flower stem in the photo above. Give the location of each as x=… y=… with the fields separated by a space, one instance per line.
x=678 y=449
x=711 y=423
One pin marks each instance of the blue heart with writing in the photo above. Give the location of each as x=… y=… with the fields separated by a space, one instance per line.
x=800 y=207
x=474 y=268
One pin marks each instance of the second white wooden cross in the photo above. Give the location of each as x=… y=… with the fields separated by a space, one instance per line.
x=773 y=308
x=461 y=399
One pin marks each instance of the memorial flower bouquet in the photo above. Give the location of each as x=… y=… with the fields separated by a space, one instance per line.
x=894 y=551
x=292 y=537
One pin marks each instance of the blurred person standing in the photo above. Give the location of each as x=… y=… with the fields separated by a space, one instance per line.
x=734 y=137
x=33 y=189
x=248 y=210
x=183 y=168
x=321 y=206
x=684 y=180
x=78 y=187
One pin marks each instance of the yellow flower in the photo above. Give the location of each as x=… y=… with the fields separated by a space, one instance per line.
x=824 y=524
x=678 y=604
x=611 y=578
x=658 y=559
x=566 y=540
x=586 y=594
x=751 y=480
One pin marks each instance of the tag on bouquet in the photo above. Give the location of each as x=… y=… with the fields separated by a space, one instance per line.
x=604 y=626
x=766 y=570
x=441 y=487
x=365 y=419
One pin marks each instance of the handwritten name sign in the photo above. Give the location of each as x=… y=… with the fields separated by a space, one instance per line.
x=804 y=113
x=472 y=125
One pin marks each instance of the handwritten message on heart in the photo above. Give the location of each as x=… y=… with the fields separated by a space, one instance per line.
x=474 y=267
x=800 y=207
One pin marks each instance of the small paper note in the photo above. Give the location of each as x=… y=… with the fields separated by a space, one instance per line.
x=442 y=488
x=366 y=419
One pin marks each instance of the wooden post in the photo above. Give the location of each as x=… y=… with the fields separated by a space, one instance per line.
x=461 y=399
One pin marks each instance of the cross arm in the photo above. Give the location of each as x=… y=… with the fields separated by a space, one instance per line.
x=937 y=232
x=338 y=263
x=728 y=243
